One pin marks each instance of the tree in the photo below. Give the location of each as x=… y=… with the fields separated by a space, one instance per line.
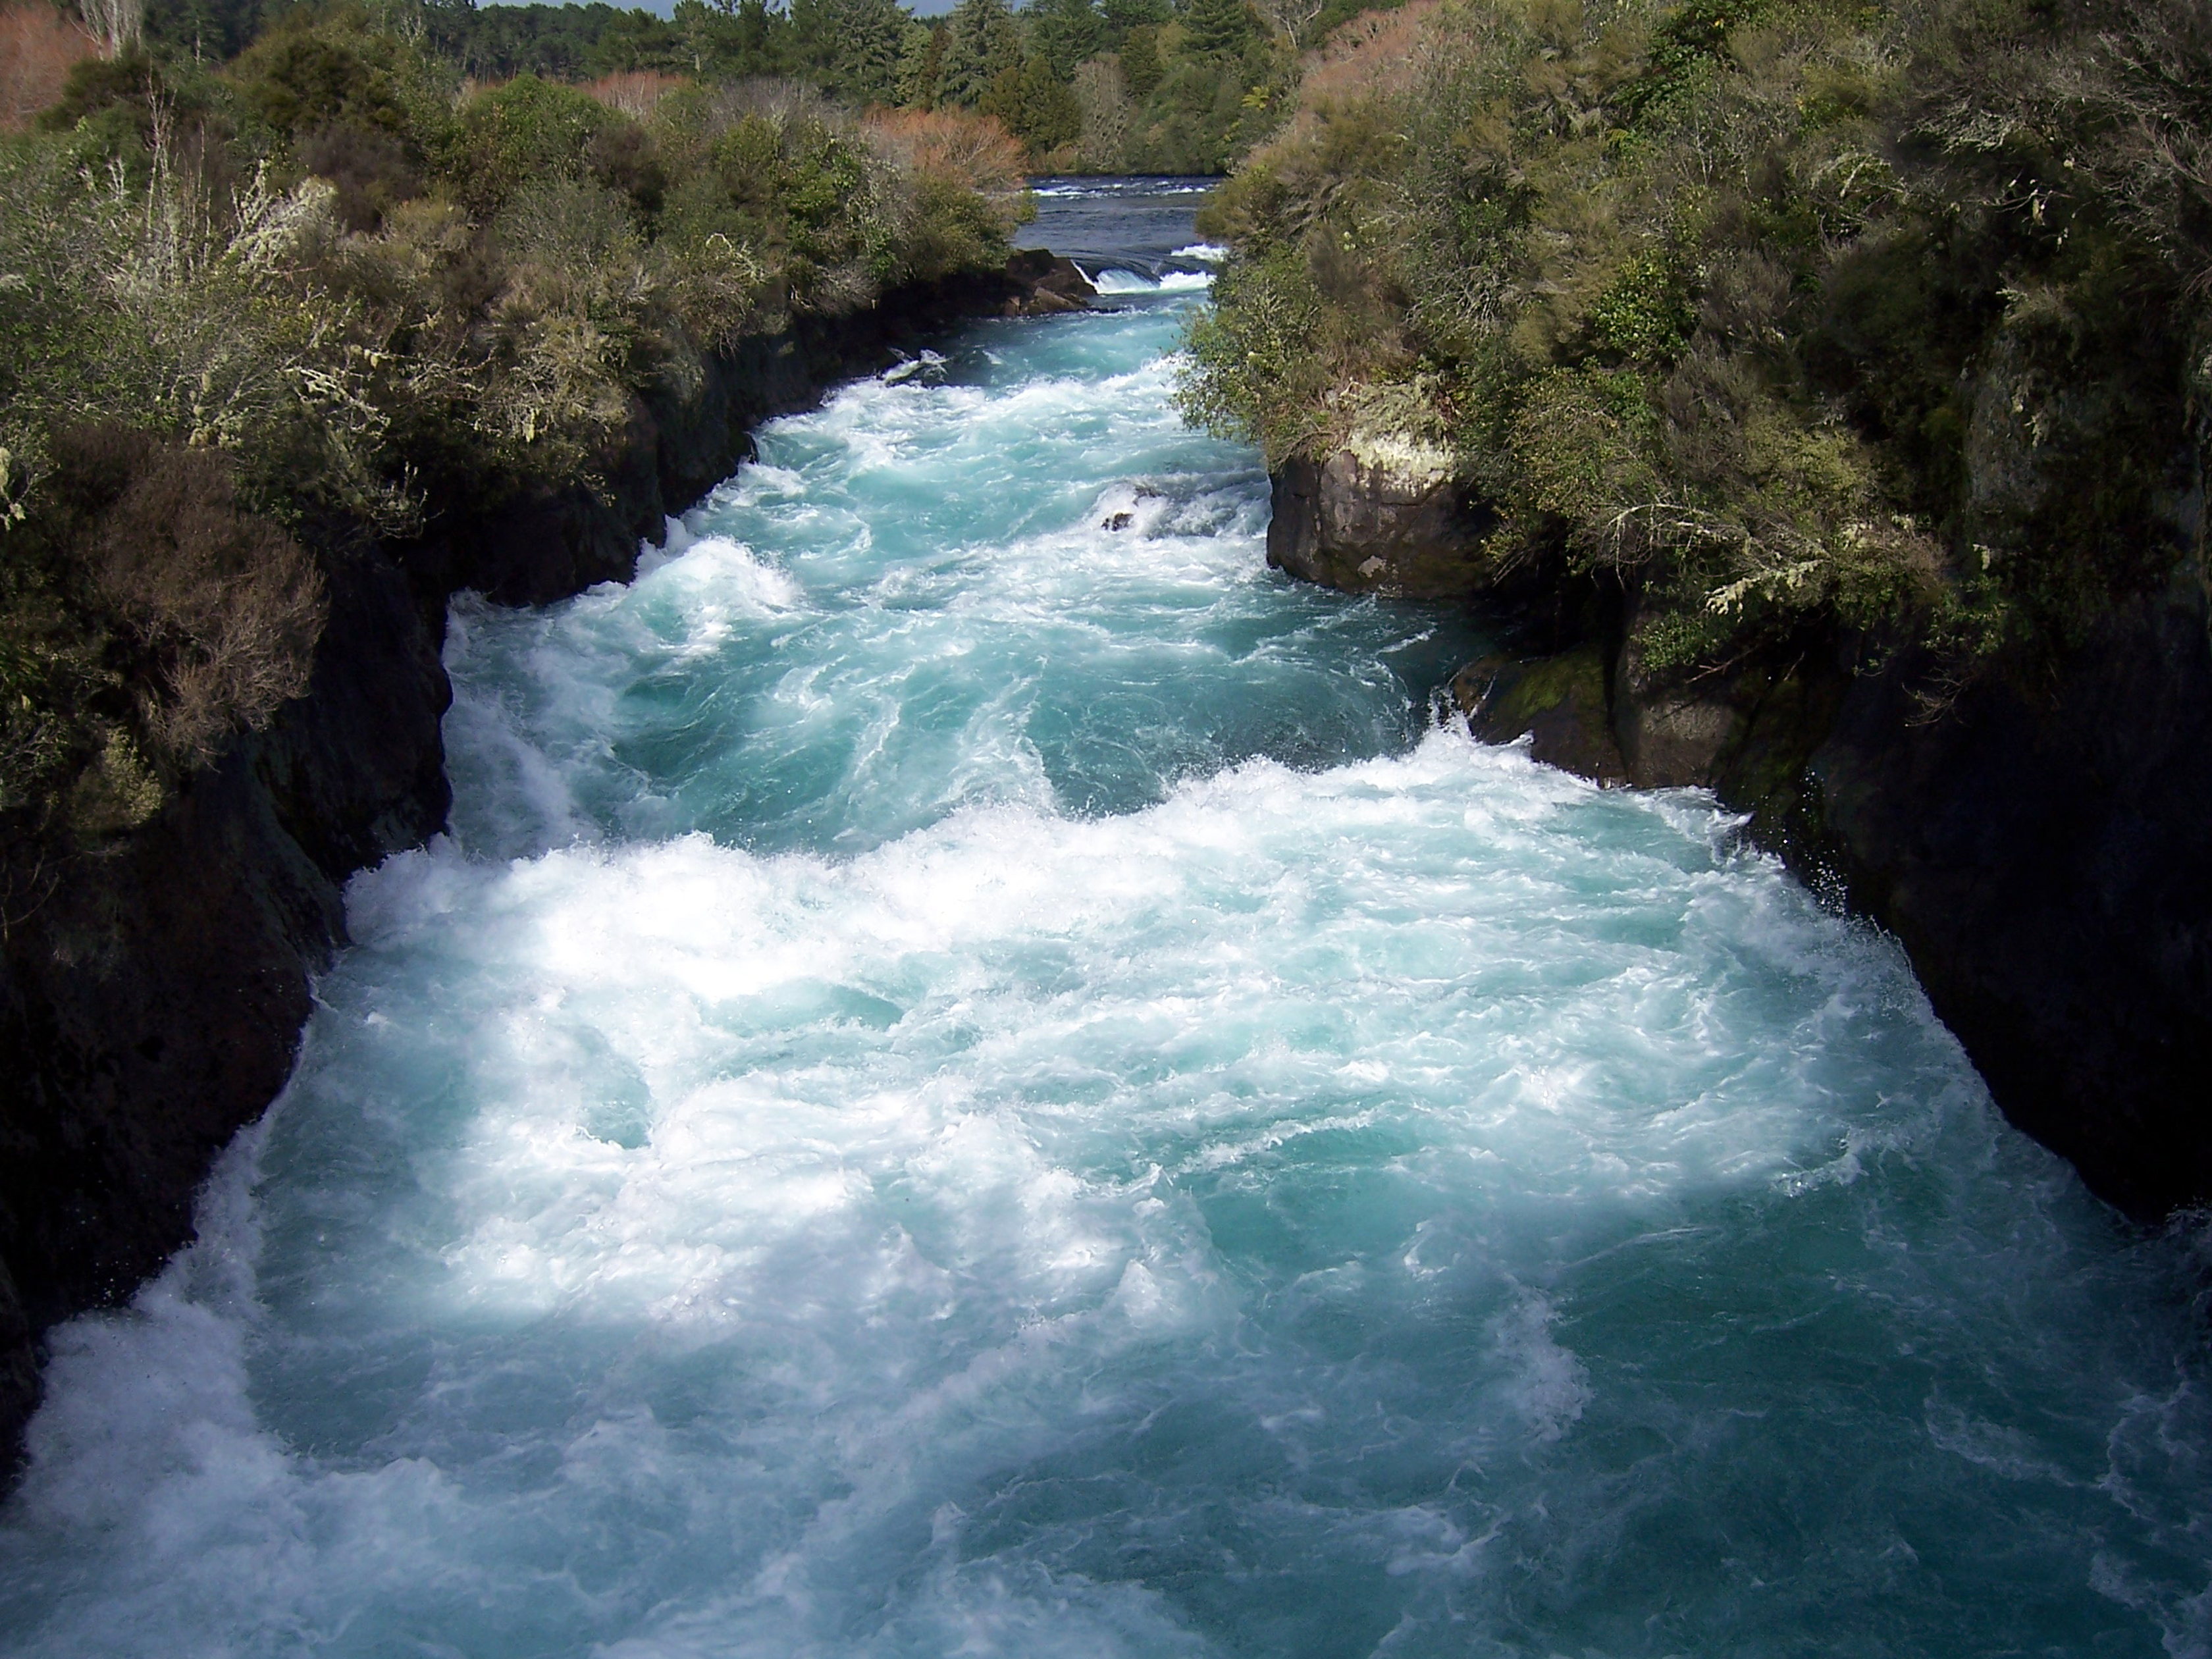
x=117 y=25
x=725 y=40
x=220 y=29
x=1218 y=29
x=1047 y=115
x=983 y=42
x=753 y=40
x=871 y=49
x=1291 y=19
x=1103 y=99
x=1123 y=15
x=920 y=53
x=1140 y=63
x=1066 y=33
x=852 y=47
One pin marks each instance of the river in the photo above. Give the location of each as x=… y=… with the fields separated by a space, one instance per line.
x=979 y=1073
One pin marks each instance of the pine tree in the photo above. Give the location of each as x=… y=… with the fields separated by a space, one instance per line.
x=1050 y=116
x=1066 y=33
x=983 y=42
x=867 y=45
x=752 y=44
x=1122 y=15
x=811 y=39
x=1140 y=63
x=1218 y=29
x=918 y=57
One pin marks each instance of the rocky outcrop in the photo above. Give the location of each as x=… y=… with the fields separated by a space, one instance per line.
x=1559 y=703
x=2042 y=853
x=1377 y=516
x=1049 y=285
x=153 y=991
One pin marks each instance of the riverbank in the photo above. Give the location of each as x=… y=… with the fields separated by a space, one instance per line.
x=152 y=994
x=1813 y=405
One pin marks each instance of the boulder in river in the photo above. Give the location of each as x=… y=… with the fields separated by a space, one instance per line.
x=1044 y=284
x=1378 y=516
x=1558 y=702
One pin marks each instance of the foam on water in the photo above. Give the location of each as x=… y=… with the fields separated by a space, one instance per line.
x=1140 y=188
x=1114 y=281
x=976 y=1081
x=1132 y=230
x=981 y=581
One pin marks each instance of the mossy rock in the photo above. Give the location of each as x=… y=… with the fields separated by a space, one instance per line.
x=1559 y=703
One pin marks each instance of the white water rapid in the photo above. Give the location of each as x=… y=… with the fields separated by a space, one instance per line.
x=978 y=1076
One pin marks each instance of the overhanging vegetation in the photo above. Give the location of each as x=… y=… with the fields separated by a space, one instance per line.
x=1784 y=312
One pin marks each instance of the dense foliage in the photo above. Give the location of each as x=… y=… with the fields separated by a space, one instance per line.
x=1134 y=85
x=1782 y=313
x=301 y=295
x=1099 y=86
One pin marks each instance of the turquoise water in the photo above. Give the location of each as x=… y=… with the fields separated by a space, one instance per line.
x=970 y=1083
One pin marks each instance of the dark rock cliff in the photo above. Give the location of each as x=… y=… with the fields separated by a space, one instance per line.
x=2042 y=846
x=152 y=994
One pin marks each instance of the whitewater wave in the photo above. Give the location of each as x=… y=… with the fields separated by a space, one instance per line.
x=1113 y=189
x=1115 y=281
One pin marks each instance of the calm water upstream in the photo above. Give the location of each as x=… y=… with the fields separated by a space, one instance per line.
x=971 y=1082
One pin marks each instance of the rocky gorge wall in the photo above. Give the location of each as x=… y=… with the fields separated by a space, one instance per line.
x=2040 y=845
x=153 y=992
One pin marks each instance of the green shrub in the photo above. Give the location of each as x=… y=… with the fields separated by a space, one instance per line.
x=299 y=299
x=367 y=168
x=523 y=132
x=1791 y=313
x=145 y=616
x=1644 y=314
x=302 y=76
x=1581 y=442
x=952 y=229
x=1253 y=368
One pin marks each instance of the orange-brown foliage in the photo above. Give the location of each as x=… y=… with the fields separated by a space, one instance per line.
x=633 y=92
x=37 y=48
x=954 y=144
x=1377 y=52
x=224 y=606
